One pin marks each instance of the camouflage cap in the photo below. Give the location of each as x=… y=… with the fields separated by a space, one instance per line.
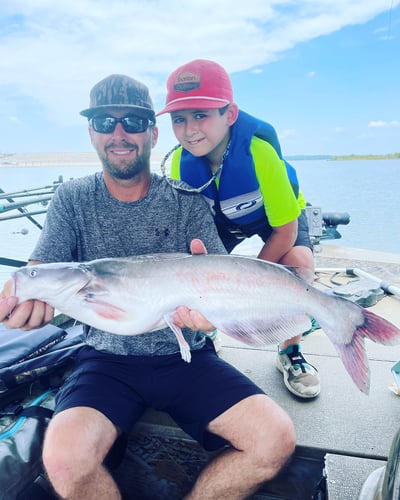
x=120 y=91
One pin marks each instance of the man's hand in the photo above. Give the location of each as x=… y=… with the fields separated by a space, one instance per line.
x=26 y=316
x=189 y=318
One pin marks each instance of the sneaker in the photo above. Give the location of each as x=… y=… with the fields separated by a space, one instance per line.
x=300 y=378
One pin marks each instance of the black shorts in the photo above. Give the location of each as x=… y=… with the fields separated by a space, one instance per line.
x=303 y=232
x=122 y=387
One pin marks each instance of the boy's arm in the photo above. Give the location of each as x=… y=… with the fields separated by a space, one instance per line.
x=279 y=242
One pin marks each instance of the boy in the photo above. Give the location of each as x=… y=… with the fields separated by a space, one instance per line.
x=234 y=159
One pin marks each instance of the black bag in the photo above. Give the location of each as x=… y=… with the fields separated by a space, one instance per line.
x=26 y=357
x=32 y=367
x=21 y=444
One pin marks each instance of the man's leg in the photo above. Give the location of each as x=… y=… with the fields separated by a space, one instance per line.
x=76 y=443
x=262 y=438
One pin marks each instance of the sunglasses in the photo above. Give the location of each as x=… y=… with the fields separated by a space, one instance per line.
x=131 y=124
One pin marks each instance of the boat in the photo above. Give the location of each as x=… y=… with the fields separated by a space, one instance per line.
x=346 y=441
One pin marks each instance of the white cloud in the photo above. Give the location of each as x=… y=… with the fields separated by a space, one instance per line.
x=287 y=133
x=51 y=52
x=383 y=124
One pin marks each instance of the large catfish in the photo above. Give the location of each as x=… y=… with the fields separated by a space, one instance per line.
x=252 y=300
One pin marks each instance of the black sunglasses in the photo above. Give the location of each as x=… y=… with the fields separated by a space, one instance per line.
x=132 y=124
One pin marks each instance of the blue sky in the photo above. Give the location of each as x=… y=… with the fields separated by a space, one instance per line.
x=325 y=73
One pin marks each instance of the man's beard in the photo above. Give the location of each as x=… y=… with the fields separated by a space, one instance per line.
x=130 y=168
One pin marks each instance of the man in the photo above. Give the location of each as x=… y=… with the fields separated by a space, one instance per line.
x=234 y=159
x=126 y=210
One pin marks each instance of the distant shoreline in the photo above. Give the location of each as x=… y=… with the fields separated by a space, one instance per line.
x=22 y=160
x=88 y=159
x=393 y=156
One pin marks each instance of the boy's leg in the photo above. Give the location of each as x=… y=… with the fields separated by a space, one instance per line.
x=300 y=377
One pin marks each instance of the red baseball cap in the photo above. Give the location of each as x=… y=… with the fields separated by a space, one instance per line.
x=199 y=84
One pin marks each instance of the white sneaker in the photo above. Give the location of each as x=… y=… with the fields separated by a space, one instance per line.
x=300 y=377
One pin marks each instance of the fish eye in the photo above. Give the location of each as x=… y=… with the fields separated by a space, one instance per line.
x=32 y=273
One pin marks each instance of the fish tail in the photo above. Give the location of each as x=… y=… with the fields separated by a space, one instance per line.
x=355 y=360
x=379 y=329
x=353 y=354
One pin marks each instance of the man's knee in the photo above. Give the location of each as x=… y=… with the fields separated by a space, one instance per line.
x=63 y=455
x=259 y=426
x=280 y=441
x=274 y=437
x=76 y=442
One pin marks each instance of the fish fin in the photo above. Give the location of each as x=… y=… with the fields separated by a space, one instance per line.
x=265 y=332
x=355 y=360
x=106 y=310
x=353 y=353
x=183 y=345
x=379 y=329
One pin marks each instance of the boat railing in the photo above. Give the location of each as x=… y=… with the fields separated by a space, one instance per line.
x=13 y=204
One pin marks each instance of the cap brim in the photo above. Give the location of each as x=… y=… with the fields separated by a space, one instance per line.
x=193 y=104
x=138 y=110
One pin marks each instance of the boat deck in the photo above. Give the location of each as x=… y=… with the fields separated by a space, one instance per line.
x=343 y=433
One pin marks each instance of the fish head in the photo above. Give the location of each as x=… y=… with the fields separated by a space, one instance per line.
x=49 y=282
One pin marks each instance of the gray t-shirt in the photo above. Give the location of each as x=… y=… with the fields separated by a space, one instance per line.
x=84 y=222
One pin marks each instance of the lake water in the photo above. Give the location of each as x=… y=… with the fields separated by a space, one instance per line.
x=367 y=190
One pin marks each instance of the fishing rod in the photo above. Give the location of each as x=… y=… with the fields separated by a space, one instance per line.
x=14 y=206
x=26 y=214
x=29 y=192
x=4 y=261
x=25 y=194
x=23 y=211
x=21 y=208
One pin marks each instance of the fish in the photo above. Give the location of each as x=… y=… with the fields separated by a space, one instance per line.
x=252 y=300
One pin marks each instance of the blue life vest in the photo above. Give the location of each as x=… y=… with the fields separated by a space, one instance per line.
x=237 y=202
